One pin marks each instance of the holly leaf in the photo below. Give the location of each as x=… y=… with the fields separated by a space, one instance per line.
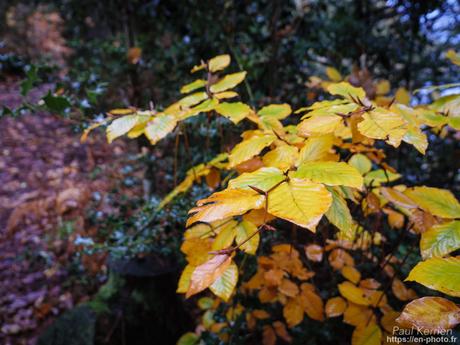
x=430 y=313
x=442 y=274
x=299 y=201
x=206 y=274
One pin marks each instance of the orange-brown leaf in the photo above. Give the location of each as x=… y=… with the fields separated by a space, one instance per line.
x=335 y=306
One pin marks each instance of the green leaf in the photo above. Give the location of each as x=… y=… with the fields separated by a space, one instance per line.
x=277 y=111
x=189 y=339
x=442 y=274
x=193 y=99
x=228 y=82
x=376 y=177
x=56 y=103
x=31 y=79
x=330 y=173
x=263 y=178
x=439 y=202
x=235 y=112
x=225 y=237
x=226 y=283
x=441 y=239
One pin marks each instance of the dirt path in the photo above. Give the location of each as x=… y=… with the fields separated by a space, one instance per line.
x=48 y=181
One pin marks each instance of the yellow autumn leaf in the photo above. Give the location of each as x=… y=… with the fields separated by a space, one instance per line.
x=190 y=100
x=402 y=96
x=225 y=95
x=353 y=293
x=439 y=202
x=361 y=163
x=268 y=335
x=225 y=237
x=235 y=112
x=440 y=240
x=314 y=252
x=197 y=84
x=357 y=315
x=333 y=74
x=430 y=313
x=347 y=91
x=264 y=179
x=335 y=306
x=381 y=123
x=120 y=126
x=299 y=201
x=330 y=173
x=225 y=204
x=367 y=335
x=228 y=82
x=312 y=304
x=185 y=278
x=282 y=157
x=319 y=124
x=442 y=274
x=316 y=148
x=352 y=274
x=276 y=111
x=383 y=87
x=206 y=274
x=339 y=214
x=218 y=63
x=160 y=127
x=249 y=148
x=397 y=198
x=226 y=283
x=246 y=230
x=293 y=312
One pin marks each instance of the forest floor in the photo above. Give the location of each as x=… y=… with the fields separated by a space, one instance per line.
x=48 y=181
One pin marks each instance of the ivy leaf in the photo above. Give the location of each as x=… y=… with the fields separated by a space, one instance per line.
x=244 y=230
x=276 y=111
x=218 y=63
x=430 y=313
x=330 y=173
x=347 y=91
x=367 y=335
x=206 y=274
x=249 y=148
x=197 y=84
x=225 y=204
x=299 y=201
x=439 y=202
x=335 y=306
x=228 y=82
x=226 y=283
x=263 y=179
x=160 y=127
x=440 y=240
x=120 y=126
x=442 y=274
x=235 y=112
